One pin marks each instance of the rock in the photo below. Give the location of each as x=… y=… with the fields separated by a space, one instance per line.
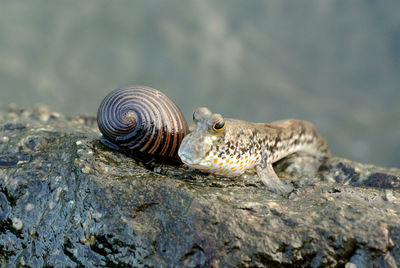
x=66 y=200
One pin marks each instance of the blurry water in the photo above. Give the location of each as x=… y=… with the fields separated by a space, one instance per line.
x=334 y=63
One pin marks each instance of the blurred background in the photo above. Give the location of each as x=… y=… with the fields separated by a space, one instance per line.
x=334 y=63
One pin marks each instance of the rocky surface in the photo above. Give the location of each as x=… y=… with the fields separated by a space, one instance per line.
x=67 y=200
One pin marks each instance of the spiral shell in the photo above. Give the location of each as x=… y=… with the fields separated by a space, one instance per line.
x=143 y=120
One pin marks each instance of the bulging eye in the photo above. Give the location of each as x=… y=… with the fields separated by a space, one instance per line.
x=219 y=125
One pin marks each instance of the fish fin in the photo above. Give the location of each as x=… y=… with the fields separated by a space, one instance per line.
x=268 y=177
x=285 y=123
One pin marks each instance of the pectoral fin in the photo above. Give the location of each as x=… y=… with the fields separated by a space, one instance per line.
x=269 y=178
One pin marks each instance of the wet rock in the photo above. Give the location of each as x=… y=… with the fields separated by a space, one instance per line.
x=66 y=200
x=356 y=174
x=13 y=126
x=4 y=207
x=4 y=139
x=12 y=160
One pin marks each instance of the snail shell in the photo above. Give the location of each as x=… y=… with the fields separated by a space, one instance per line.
x=141 y=121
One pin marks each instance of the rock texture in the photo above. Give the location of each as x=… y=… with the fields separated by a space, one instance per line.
x=66 y=200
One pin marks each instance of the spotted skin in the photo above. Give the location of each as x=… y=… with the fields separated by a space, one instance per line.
x=226 y=161
x=245 y=146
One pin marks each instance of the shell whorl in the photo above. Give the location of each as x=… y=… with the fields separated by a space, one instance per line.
x=142 y=119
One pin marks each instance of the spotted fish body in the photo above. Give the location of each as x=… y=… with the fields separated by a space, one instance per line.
x=244 y=146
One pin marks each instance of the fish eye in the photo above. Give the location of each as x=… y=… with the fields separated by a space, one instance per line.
x=219 y=125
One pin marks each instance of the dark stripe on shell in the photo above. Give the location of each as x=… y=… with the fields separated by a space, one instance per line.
x=143 y=119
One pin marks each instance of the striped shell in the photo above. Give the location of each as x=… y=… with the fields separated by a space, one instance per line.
x=143 y=120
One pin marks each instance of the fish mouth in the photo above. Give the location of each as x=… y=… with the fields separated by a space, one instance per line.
x=187 y=159
x=195 y=163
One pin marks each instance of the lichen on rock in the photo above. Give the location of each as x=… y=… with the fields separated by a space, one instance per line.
x=66 y=200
